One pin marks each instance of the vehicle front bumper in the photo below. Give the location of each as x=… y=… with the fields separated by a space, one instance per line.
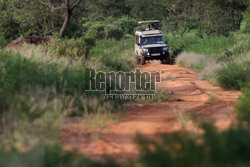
x=155 y=55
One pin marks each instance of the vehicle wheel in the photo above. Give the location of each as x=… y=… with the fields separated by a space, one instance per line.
x=138 y=61
x=168 y=60
x=164 y=60
x=142 y=60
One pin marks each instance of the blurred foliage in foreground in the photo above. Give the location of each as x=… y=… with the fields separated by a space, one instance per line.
x=228 y=148
x=211 y=148
x=50 y=155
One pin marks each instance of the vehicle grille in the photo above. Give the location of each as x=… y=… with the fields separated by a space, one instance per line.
x=155 y=50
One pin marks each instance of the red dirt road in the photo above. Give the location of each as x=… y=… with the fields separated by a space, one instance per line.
x=188 y=96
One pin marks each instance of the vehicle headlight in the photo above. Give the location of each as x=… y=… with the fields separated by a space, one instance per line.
x=165 y=49
x=145 y=50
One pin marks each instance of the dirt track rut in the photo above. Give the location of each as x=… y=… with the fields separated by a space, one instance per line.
x=188 y=95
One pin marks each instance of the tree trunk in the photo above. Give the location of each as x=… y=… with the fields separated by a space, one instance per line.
x=65 y=23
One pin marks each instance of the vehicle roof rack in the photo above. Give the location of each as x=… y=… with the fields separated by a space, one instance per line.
x=149 y=21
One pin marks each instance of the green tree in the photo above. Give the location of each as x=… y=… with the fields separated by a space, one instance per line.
x=225 y=15
x=145 y=9
x=26 y=17
x=108 y=8
x=65 y=5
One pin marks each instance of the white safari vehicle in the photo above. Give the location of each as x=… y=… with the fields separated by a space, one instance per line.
x=149 y=43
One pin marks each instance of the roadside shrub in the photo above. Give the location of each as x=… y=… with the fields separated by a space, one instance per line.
x=212 y=148
x=18 y=73
x=234 y=76
x=96 y=31
x=177 y=43
x=113 y=32
x=114 y=55
x=192 y=60
x=45 y=54
x=206 y=66
x=241 y=45
x=32 y=115
x=36 y=95
x=243 y=105
x=73 y=48
x=48 y=155
x=210 y=45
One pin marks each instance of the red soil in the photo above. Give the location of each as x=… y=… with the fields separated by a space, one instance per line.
x=189 y=96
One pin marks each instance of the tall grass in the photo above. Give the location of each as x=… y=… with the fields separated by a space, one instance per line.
x=106 y=54
x=234 y=76
x=221 y=60
x=206 y=66
x=42 y=85
x=211 y=45
x=33 y=115
x=178 y=42
x=114 y=55
x=18 y=72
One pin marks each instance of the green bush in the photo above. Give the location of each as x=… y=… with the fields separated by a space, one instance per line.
x=85 y=27
x=219 y=59
x=241 y=43
x=127 y=25
x=96 y=31
x=210 y=45
x=245 y=24
x=35 y=95
x=177 y=43
x=113 y=32
x=234 y=76
x=212 y=148
x=243 y=105
x=114 y=55
x=19 y=73
x=73 y=48
x=48 y=155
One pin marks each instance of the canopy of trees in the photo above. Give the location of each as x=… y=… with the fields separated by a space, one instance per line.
x=48 y=17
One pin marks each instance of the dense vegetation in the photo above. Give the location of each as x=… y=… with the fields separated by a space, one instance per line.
x=22 y=18
x=40 y=85
x=222 y=60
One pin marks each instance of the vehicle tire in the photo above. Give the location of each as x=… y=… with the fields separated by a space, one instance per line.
x=164 y=60
x=168 y=60
x=138 y=61
x=142 y=60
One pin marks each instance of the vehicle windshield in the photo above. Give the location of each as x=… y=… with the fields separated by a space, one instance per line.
x=152 y=40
